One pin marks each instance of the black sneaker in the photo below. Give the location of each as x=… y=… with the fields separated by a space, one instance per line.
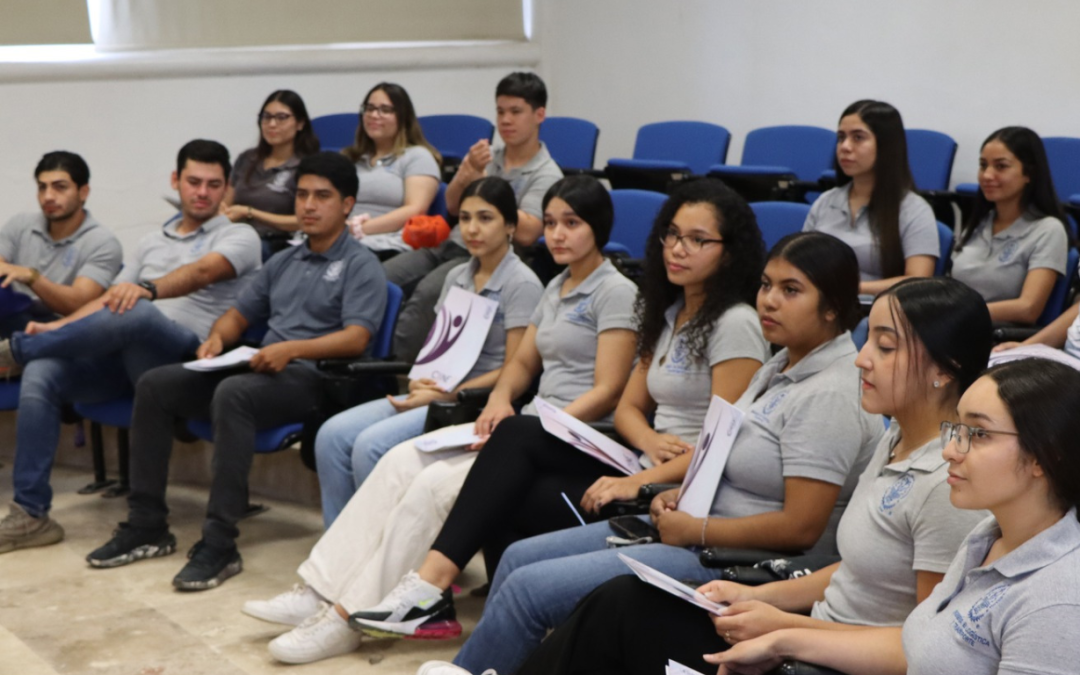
x=207 y=567
x=131 y=543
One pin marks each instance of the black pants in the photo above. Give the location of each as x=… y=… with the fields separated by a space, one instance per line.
x=627 y=626
x=239 y=404
x=513 y=491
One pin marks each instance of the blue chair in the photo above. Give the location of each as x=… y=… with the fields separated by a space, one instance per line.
x=773 y=157
x=336 y=131
x=438 y=205
x=453 y=135
x=571 y=141
x=635 y=212
x=861 y=333
x=1059 y=295
x=667 y=150
x=930 y=155
x=776 y=220
x=945 y=238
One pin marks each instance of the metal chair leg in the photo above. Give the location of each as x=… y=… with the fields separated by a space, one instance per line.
x=97 y=450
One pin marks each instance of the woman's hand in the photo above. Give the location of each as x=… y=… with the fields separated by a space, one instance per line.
x=235 y=213
x=662 y=503
x=356 y=224
x=423 y=383
x=36 y=328
x=678 y=528
x=750 y=619
x=753 y=657
x=418 y=398
x=662 y=447
x=609 y=489
x=494 y=412
x=1005 y=346
x=727 y=591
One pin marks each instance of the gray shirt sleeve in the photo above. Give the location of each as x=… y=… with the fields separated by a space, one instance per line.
x=938 y=530
x=918 y=228
x=9 y=240
x=103 y=263
x=240 y=246
x=811 y=218
x=737 y=336
x=254 y=300
x=518 y=301
x=613 y=305
x=822 y=437
x=1050 y=248
x=364 y=299
x=532 y=199
x=418 y=161
x=129 y=273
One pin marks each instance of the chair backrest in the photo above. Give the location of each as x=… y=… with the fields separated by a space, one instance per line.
x=453 y=135
x=1055 y=304
x=336 y=131
x=945 y=240
x=382 y=345
x=776 y=220
x=571 y=141
x=635 y=211
x=930 y=155
x=438 y=205
x=806 y=150
x=1063 y=155
x=699 y=144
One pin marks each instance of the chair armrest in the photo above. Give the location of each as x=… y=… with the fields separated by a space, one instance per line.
x=478 y=395
x=650 y=491
x=722 y=556
x=802 y=668
x=363 y=367
x=1013 y=333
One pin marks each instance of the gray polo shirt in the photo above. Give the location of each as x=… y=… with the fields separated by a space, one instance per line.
x=996 y=265
x=272 y=190
x=304 y=295
x=517 y=290
x=163 y=251
x=1017 y=615
x=530 y=182
x=832 y=215
x=807 y=422
x=567 y=329
x=382 y=189
x=899 y=522
x=681 y=385
x=91 y=251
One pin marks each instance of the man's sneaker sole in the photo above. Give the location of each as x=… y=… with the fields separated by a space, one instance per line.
x=144 y=552
x=51 y=534
x=230 y=570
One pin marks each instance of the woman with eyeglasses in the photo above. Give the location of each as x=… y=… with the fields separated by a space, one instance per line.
x=398 y=168
x=262 y=187
x=1010 y=600
x=929 y=340
x=875 y=210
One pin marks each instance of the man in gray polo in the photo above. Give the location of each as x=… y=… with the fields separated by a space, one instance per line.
x=322 y=299
x=54 y=262
x=523 y=161
x=157 y=311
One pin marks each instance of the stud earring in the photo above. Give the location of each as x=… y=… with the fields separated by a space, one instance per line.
x=937 y=385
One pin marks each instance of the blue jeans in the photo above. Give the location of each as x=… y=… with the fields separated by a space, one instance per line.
x=540 y=581
x=350 y=443
x=94 y=359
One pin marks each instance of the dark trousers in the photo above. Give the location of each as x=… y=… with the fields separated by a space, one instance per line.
x=239 y=404
x=513 y=491
x=627 y=626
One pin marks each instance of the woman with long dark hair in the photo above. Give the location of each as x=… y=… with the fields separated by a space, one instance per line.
x=262 y=188
x=875 y=210
x=399 y=169
x=1015 y=245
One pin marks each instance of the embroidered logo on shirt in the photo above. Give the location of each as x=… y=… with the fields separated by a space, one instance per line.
x=896 y=493
x=677 y=361
x=580 y=313
x=1008 y=251
x=69 y=257
x=333 y=270
x=197 y=246
x=280 y=182
x=969 y=627
x=762 y=414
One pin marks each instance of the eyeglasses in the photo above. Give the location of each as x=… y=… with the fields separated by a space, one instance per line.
x=384 y=110
x=267 y=118
x=962 y=434
x=690 y=243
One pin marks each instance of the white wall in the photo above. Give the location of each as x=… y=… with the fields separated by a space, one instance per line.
x=965 y=67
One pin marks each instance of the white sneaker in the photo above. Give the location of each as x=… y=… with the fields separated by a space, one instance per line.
x=446 y=668
x=319 y=637
x=411 y=603
x=291 y=607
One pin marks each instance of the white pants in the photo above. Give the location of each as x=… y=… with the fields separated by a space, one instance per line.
x=388 y=526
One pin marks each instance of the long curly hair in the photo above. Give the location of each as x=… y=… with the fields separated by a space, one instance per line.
x=735 y=280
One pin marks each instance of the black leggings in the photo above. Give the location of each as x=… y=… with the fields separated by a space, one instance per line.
x=513 y=492
x=627 y=626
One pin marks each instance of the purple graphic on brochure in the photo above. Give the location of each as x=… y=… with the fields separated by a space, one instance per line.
x=443 y=334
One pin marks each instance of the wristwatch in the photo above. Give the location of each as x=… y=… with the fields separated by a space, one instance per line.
x=150 y=286
x=34 y=276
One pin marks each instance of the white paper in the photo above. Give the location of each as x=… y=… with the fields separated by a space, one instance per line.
x=456 y=338
x=583 y=437
x=230 y=359
x=1033 y=352
x=676 y=668
x=451 y=439
x=677 y=588
x=722 y=422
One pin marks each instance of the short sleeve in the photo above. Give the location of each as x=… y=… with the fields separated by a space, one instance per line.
x=810 y=224
x=9 y=240
x=918 y=228
x=254 y=300
x=240 y=246
x=538 y=315
x=532 y=199
x=613 y=304
x=103 y=262
x=418 y=161
x=939 y=528
x=129 y=273
x=448 y=283
x=240 y=166
x=364 y=299
x=1036 y=643
x=737 y=336
x=519 y=299
x=1050 y=248
x=822 y=436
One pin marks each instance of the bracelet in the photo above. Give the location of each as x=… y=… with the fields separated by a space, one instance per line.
x=34 y=276
x=251 y=214
x=704 y=524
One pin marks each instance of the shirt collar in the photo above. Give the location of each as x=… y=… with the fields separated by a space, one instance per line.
x=41 y=227
x=591 y=283
x=1020 y=228
x=840 y=200
x=336 y=251
x=927 y=458
x=498 y=159
x=501 y=274
x=1053 y=543
x=169 y=228
x=840 y=347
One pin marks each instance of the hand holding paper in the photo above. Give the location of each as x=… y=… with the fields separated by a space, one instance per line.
x=455 y=340
x=236 y=357
x=722 y=423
